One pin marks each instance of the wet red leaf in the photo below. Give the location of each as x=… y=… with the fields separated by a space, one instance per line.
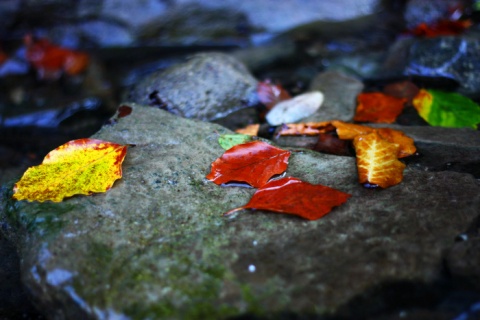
x=51 y=60
x=293 y=196
x=253 y=162
x=443 y=27
x=124 y=111
x=270 y=94
x=377 y=107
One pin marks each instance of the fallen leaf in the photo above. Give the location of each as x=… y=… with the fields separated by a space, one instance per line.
x=124 y=111
x=447 y=109
x=270 y=94
x=377 y=161
x=3 y=57
x=50 y=61
x=292 y=110
x=377 y=107
x=251 y=129
x=80 y=166
x=348 y=131
x=227 y=141
x=331 y=144
x=402 y=89
x=308 y=128
x=293 y=196
x=406 y=146
x=252 y=162
x=442 y=27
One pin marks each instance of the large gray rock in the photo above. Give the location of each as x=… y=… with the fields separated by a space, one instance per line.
x=156 y=245
x=456 y=58
x=208 y=86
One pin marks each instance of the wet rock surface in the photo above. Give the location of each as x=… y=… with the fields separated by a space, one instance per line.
x=206 y=87
x=155 y=245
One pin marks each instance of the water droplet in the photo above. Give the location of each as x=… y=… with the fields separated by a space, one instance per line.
x=251 y=268
x=254 y=242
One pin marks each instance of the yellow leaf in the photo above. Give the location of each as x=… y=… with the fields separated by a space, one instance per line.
x=377 y=161
x=80 y=166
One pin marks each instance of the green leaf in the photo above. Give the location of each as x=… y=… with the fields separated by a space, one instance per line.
x=227 y=141
x=447 y=109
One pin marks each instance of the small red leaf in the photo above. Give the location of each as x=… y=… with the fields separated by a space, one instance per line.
x=293 y=196
x=253 y=162
x=270 y=94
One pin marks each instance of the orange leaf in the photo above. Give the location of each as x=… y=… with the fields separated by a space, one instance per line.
x=308 y=128
x=251 y=129
x=50 y=60
x=270 y=94
x=377 y=107
x=348 y=131
x=377 y=161
x=293 y=196
x=406 y=147
x=253 y=162
x=80 y=166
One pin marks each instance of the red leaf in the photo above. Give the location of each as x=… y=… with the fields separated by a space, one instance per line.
x=293 y=196
x=270 y=94
x=443 y=27
x=50 y=60
x=253 y=162
x=332 y=144
x=378 y=108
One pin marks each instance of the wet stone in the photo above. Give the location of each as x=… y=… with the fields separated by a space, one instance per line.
x=208 y=86
x=454 y=58
x=156 y=245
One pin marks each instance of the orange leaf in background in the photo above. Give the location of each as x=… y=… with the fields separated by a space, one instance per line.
x=251 y=129
x=252 y=162
x=443 y=27
x=348 y=131
x=3 y=57
x=50 y=60
x=308 y=128
x=270 y=94
x=377 y=161
x=406 y=146
x=293 y=196
x=80 y=166
x=377 y=107
x=402 y=89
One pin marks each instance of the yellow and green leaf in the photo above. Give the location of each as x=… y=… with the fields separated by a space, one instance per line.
x=227 y=141
x=82 y=166
x=447 y=109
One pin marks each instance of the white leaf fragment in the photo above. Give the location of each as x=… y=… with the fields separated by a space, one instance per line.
x=295 y=109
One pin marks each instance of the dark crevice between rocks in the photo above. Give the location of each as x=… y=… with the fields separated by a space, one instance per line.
x=440 y=157
x=15 y=302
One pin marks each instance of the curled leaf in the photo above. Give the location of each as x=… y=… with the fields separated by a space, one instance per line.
x=348 y=131
x=293 y=196
x=253 y=162
x=377 y=161
x=80 y=166
x=308 y=128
